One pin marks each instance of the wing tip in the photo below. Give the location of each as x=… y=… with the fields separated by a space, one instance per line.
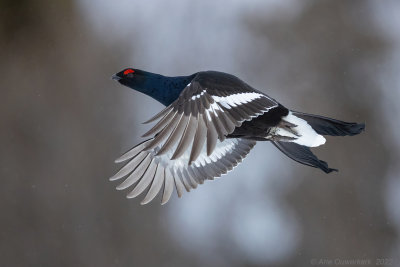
x=114 y=177
x=145 y=201
x=119 y=160
x=120 y=187
x=163 y=202
x=130 y=195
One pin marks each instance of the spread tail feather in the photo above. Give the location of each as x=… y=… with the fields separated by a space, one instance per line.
x=327 y=126
x=303 y=155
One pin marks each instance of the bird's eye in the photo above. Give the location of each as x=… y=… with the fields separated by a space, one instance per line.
x=129 y=72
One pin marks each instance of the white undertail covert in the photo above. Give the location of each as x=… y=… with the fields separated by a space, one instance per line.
x=309 y=137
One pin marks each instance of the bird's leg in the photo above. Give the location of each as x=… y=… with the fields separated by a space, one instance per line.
x=277 y=133
x=288 y=127
x=281 y=138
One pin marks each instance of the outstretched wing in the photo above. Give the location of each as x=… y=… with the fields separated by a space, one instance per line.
x=146 y=169
x=207 y=110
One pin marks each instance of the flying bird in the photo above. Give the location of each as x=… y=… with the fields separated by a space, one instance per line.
x=211 y=122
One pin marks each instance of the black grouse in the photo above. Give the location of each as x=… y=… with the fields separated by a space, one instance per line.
x=211 y=122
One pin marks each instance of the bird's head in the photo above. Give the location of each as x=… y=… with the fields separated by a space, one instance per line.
x=162 y=88
x=132 y=78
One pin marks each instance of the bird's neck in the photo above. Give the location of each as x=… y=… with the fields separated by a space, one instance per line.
x=165 y=89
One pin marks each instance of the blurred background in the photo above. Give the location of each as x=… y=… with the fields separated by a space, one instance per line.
x=63 y=122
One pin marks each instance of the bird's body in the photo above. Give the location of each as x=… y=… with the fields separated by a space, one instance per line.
x=211 y=122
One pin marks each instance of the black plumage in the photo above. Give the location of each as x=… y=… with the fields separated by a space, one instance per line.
x=211 y=122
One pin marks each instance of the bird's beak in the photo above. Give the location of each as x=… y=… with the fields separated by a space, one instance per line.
x=115 y=77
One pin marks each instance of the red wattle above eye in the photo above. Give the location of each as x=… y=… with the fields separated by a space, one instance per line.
x=128 y=71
